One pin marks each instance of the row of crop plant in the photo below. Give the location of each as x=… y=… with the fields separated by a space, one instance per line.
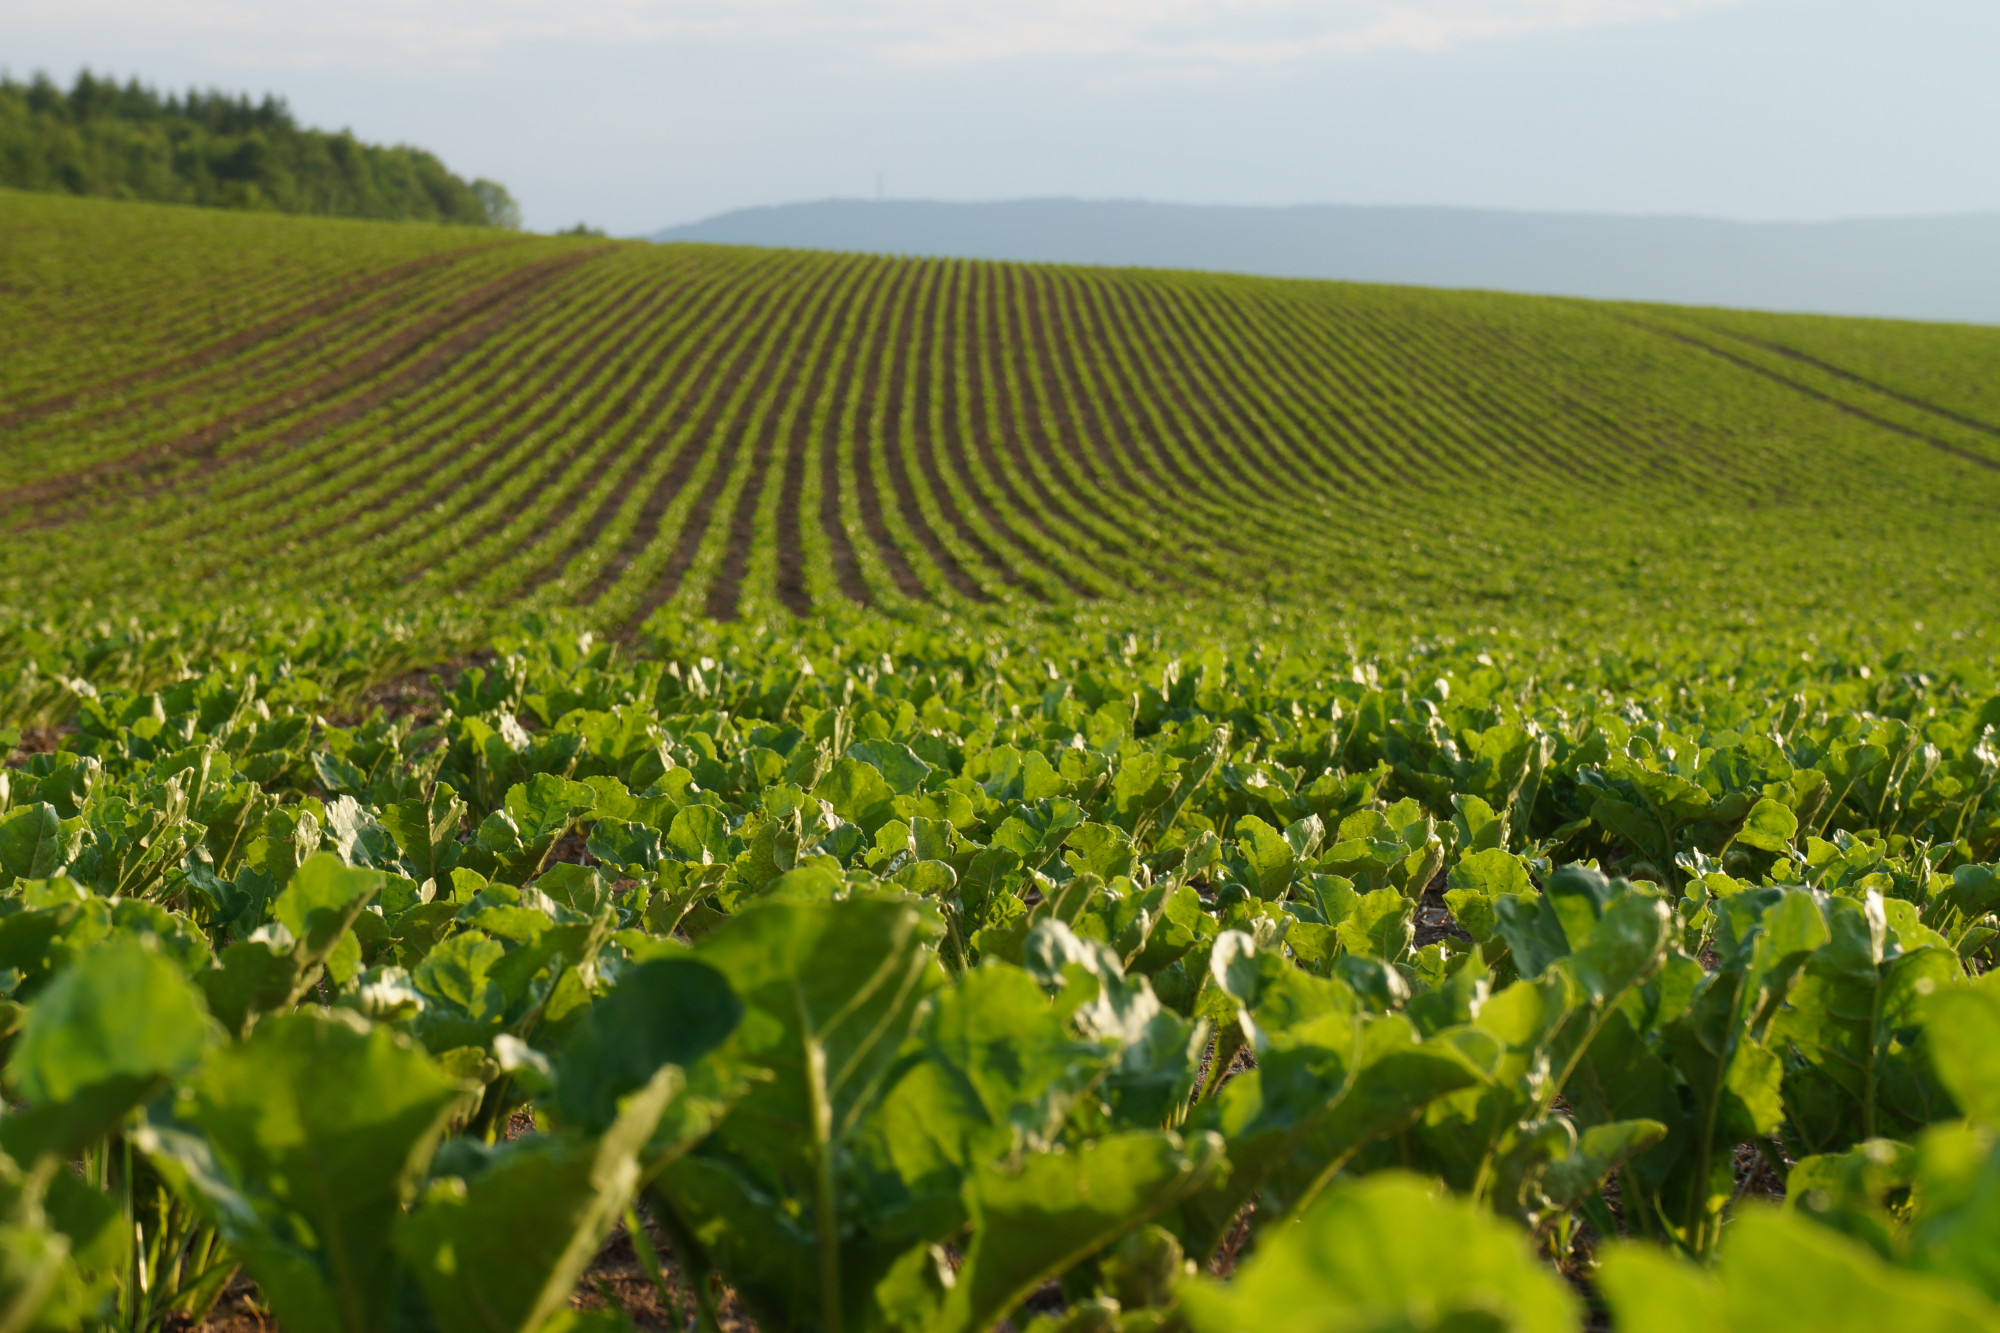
x=1209 y=973
x=621 y=429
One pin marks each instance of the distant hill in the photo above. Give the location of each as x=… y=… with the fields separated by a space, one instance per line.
x=224 y=151
x=1912 y=268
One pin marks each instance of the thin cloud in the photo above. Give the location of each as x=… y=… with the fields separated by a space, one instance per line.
x=1185 y=37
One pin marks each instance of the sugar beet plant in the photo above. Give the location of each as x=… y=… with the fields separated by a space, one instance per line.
x=990 y=949
x=925 y=979
x=240 y=408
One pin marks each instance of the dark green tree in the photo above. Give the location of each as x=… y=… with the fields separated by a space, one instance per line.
x=211 y=148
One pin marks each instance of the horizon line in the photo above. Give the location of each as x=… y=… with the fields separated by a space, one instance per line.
x=1576 y=214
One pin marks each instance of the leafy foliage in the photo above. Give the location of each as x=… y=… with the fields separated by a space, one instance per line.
x=131 y=143
x=1121 y=966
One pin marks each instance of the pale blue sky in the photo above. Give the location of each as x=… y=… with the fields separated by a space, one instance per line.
x=637 y=114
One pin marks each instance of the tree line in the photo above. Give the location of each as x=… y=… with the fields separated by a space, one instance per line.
x=221 y=150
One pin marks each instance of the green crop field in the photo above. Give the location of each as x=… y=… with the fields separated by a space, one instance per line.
x=555 y=784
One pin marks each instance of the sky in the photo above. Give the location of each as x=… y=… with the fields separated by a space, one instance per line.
x=633 y=115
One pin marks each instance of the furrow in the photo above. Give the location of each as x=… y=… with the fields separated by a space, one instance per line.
x=369 y=383
x=726 y=360
x=726 y=456
x=802 y=377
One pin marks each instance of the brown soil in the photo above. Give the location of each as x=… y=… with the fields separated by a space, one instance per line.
x=785 y=398
x=621 y=313
x=494 y=301
x=791 y=552
x=709 y=396
x=846 y=569
x=664 y=397
x=780 y=364
x=1072 y=436
x=1909 y=400
x=367 y=287
x=484 y=369
x=1174 y=376
x=867 y=496
x=38 y=740
x=1023 y=436
x=509 y=451
x=1049 y=431
x=1896 y=428
x=934 y=368
x=971 y=420
x=894 y=438
x=1078 y=430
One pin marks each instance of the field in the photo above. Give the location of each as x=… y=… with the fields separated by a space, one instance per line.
x=559 y=782
x=415 y=415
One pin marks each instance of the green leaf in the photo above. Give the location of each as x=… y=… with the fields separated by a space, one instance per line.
x=831 y=991
x=95 y=1224
x=108 y=1032
x=1575 y=899
x=1755 y=1104
x=1100 y=849
x=667 y=1011
x=1769 y=827
x=1650 y=1290
x=1381 y=926
x=458 y=971
x=1625 y=946
x=1489 y=874
x=358 y=838
x=249 y=978
x=1597 y=1152
x=312 y=1136
x=501 y=1251
x=998 y=1065
x=39 y=1288
x=580 y=888
x=1271 y=859
x=858 y=794
x=1675 y=799
x=1329 y=1082
x=1637 y=828
x=427 y=832
x=898 y=764
x=1532 y=931
x=1781 y=1271
x=1963 y=1032
x=518 y=837
x=1850 y=1192
x=700 y=833
x=32 y=845
x=1040 y=779
x=1386 y=1253
x=1479 y=828
x=336 y=774
x=322 y=901
x=619 y=843
x=1956 y=1187
x=1054 y=1210
x=543 y=806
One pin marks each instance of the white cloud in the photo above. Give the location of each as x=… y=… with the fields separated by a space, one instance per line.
x=1183 y=36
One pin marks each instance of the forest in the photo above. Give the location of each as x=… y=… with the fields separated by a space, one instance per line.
x=222 y=151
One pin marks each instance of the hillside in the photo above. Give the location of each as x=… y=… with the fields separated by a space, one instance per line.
x=619 y=427
x=1291 y=805
x=1940 y=268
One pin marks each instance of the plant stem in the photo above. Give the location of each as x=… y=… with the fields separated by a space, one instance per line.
x=826 y=1219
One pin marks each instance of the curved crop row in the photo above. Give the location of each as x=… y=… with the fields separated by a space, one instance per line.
x=627 y=428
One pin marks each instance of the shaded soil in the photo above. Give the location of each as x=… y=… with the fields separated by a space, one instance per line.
x=494 y=301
